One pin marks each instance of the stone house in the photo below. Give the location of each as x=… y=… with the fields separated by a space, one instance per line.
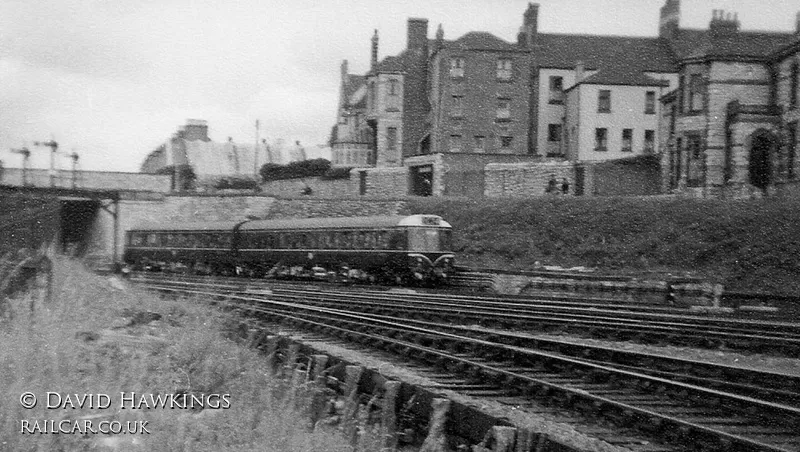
x=730 y=127
x=445 y=110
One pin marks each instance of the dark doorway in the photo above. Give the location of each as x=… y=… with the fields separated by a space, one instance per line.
x=77 y=218
x=362 y=183
x=580 y=180
x=422 y=180
x=761 y=145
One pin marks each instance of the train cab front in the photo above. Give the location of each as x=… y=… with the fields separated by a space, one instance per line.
x=429 y=245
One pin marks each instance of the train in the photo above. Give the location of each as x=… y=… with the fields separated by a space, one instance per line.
x=407 y=250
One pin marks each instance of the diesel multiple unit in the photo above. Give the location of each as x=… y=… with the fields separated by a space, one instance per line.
x=404 y=249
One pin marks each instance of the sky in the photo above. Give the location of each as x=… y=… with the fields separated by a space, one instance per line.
x=112 y=80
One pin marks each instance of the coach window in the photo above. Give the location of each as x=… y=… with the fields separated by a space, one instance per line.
x=370 y=240
x=152 y=240
x=137 y=239
x=397 y=241
x=446 y=237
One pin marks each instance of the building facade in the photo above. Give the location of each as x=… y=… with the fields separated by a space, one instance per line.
x=715 y=105
x=731 y=124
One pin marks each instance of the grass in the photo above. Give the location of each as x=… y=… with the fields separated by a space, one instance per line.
x=69 y=346
x=748 y=245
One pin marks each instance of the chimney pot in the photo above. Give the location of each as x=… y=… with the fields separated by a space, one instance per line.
x=797 y=24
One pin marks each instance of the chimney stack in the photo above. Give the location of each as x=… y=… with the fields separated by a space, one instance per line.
x=579 y=71
x=417 y=36
x=195 y=129
x=439 y=37
x=344 y=71
x=531 y=24
x=723 y=24
x=374 y=57
x=669 y=20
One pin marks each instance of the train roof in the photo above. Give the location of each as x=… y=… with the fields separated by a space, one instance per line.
x=388 y=221
x=210 y=226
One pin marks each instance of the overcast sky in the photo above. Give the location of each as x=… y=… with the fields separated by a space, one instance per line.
x=112 y=80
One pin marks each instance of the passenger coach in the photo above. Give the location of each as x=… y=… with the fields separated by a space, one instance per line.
x=397 y=248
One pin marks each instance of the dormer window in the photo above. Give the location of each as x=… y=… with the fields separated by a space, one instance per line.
x=456 y=67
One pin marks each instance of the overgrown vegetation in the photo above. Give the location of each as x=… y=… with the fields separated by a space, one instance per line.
x=93 y=338
x=751 y=245
x=236 y=183
x=295 y=170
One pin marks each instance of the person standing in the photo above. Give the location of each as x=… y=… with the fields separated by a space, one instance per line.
x=552 y=185
x=564 y=186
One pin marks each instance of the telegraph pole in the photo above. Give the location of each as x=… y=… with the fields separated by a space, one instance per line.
x=26 y=155
x=255 y=152
x=53 y=148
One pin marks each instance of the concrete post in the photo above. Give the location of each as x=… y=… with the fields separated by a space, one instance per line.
x=436 y=441
x=389 y=416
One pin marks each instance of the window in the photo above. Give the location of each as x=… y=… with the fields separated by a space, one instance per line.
x=604 y=101
x=456 y=67
x=793 y=85
x=506 y=142
x=503 y=109
x=556 y=90
x=504 y=69
x=600 y=139
x=479 y=143
x=391 y=138
x=627 y=140
x=458 y=107
x=650 y=103
x=649 y=141
x=694 y=170
x=455 y=143
x=554 y=132
x=394 y=85
x=696 y=93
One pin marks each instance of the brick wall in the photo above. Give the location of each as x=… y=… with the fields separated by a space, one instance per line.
x=320 y=188
x=624 y=178
x=314 y=208
x=525 y=179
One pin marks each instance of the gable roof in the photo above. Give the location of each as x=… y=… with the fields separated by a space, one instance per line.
x=690 y=43
x=563 y=51
x=621 y=75
x=353 y=83
x=481 y=40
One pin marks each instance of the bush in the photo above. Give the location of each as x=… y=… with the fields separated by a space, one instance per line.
x=295 y=170
x=236 y=183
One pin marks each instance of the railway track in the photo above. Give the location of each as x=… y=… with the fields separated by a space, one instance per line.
x=645 y=324
x=643 y=408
